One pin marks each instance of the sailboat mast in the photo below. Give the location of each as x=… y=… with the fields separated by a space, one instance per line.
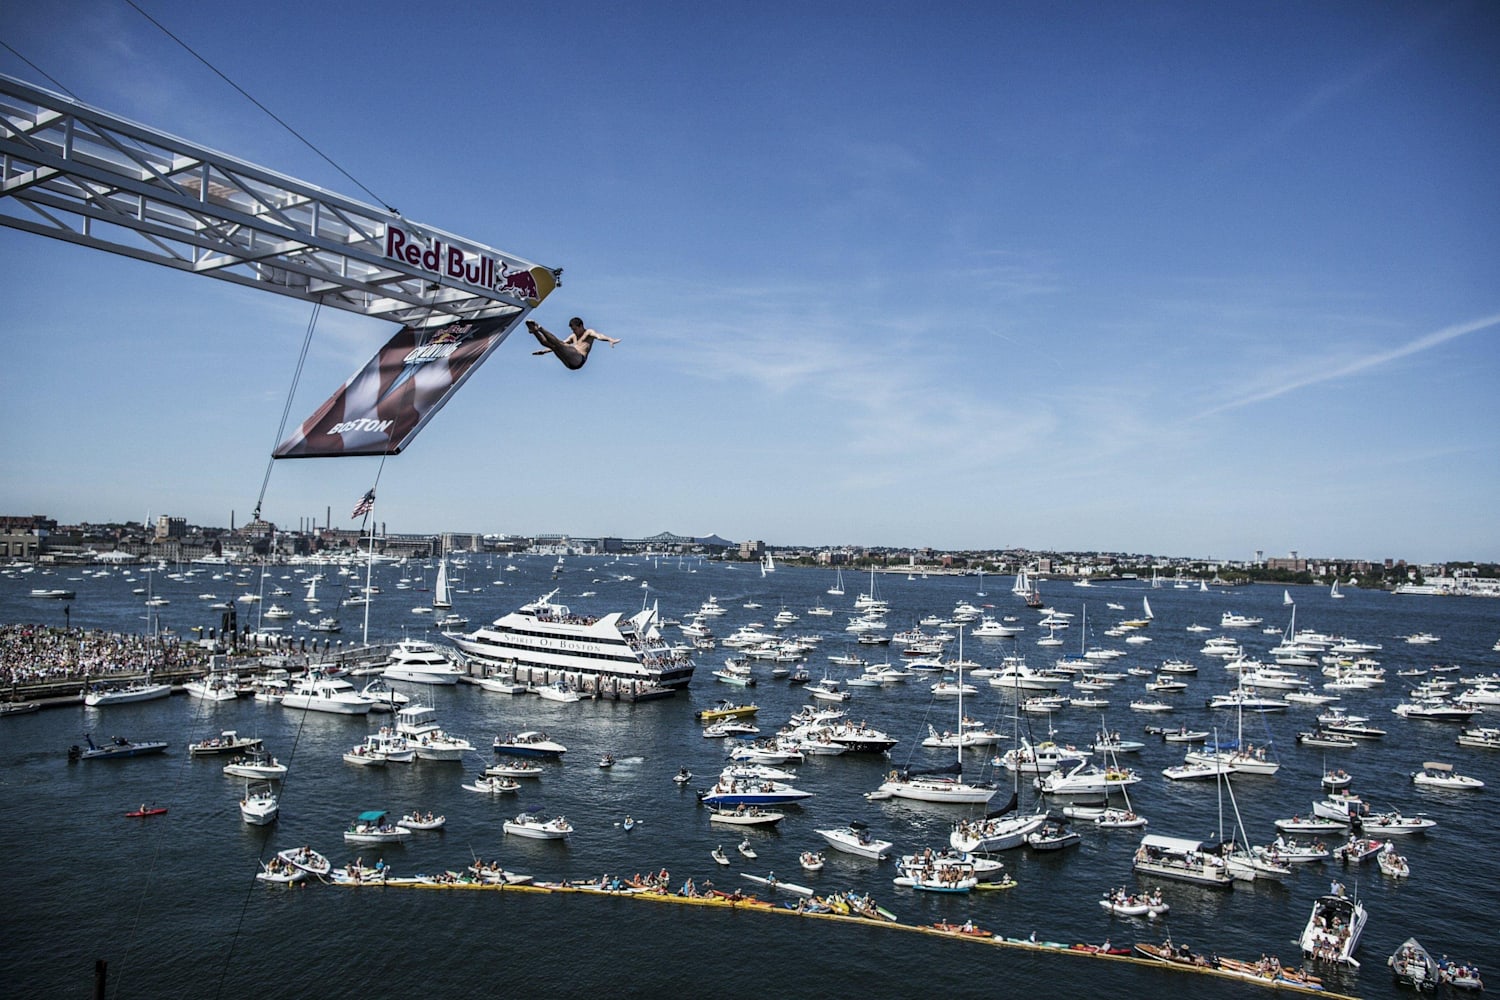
x=369 y=571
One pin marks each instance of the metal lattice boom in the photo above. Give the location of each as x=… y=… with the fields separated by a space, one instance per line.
x=79 y=174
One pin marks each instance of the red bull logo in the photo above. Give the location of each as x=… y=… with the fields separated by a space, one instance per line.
x=453 y=262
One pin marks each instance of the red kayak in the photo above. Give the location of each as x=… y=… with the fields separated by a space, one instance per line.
x=153 y=811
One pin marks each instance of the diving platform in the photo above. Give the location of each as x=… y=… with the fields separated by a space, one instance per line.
x=76 y=173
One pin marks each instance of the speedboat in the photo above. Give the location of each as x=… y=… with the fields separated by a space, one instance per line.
x=1052 y=836
x=117 y=747
x=259 y=806
x=530 y=824
x=1357 y=849
x=371 y=827
x=1393 y=824
x=731 y=791
x=1333 y=928
x=256 y=764
x=746 y=816
x=228 y=741
x=514 y=769
x=1412 y=966
x=855 y=839
x=1435 y=774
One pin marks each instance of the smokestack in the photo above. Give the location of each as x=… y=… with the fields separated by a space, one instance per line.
x=328 y=518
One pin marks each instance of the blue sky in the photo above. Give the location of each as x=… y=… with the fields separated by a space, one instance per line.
x=1183 y=278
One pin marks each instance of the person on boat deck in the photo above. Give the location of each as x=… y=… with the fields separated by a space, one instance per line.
x=574 y=350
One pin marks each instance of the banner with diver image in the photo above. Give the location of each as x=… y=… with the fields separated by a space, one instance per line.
x=380 y=409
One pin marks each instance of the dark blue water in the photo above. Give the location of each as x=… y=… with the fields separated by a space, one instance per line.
x=172 y=905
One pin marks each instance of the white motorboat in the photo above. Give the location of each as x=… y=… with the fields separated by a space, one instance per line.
x=257 y=764
x=493 y=784
x=746 y=816
x=318 y=693
x=260 y=805
x=1393 y=824
x=530 y=824
x=528 y=744
x=560 y=691
x=1435 y=774
x=374 y=827
x=1042 y=758
x=1333 y=928
x=855 y=839
x=1198 y=771
x=1085 y=780
x=515 y=769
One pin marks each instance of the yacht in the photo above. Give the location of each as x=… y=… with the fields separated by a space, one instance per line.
x=110 y=694
x=613 y=656
x=421 y=661
x=418 y=724
x=316 y=693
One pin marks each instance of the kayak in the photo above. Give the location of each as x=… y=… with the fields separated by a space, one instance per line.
x=153 y=811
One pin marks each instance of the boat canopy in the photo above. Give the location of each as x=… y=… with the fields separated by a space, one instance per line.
x=1171 y=845
x=372 y=816
x=1435 y=765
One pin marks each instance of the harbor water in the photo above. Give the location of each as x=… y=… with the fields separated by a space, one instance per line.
x=171 y=903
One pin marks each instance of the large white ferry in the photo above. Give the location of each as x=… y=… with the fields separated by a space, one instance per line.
x=609 y=657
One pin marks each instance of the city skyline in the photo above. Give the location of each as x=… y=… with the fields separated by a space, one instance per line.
x=1140 y=278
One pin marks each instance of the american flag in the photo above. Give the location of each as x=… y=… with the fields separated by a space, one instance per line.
x=365 y=505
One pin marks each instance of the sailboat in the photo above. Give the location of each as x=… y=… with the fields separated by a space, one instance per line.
x=946 y=785
x=837 y=590
x=1243 y=862
x=442 y=600
x=768 y=565
x=1286 y=598
x=1145 y=618
x=1334 y=592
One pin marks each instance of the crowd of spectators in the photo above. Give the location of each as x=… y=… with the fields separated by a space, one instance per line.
x=39 y=654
